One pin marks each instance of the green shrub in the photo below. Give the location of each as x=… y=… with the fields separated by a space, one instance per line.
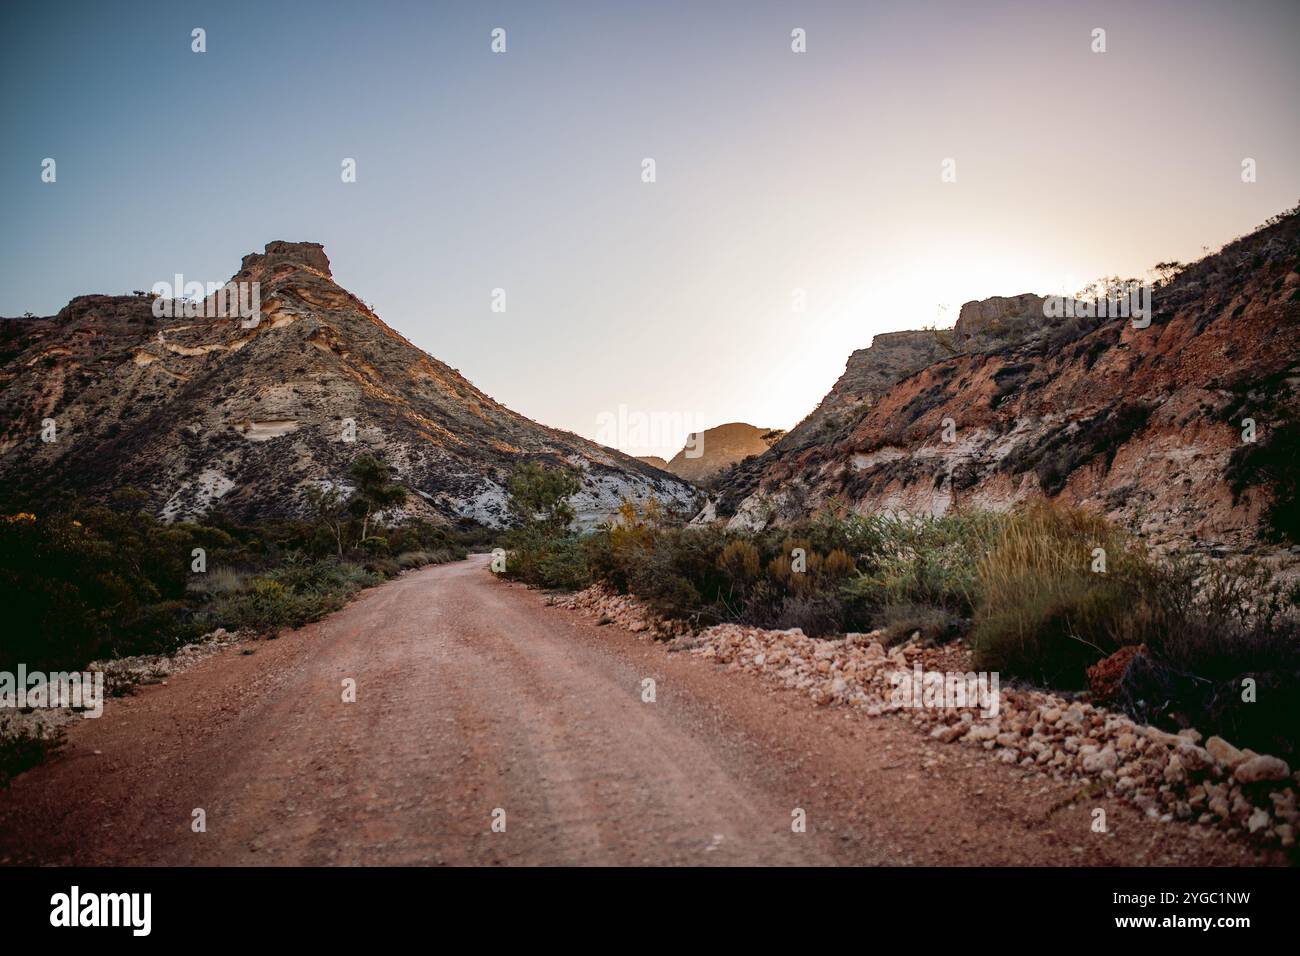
x=924 y=560
x=290 y=596
x=554 y=563
x=221 y=580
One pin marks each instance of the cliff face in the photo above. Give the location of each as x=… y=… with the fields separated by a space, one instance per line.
x=869 y=374
x=1143 y=424
x=200 y=412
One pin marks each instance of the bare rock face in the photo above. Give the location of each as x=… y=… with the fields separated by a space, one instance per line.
x=893 y=356
x=205 y=412
x=999 y=318
x=280 y=254
x=1145 y=424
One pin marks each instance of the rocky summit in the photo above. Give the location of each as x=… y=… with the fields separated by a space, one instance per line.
x=1183 y=426
x=202 y=410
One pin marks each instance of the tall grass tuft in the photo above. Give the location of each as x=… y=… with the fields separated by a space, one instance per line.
x=1047 y=607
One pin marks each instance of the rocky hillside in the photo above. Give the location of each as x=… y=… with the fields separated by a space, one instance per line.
x=1143 y=424
x=712 y=451
x=199 y=412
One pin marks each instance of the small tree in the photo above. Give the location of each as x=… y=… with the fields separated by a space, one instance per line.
x=374 y=491
x=326 y=507
x=539 y=498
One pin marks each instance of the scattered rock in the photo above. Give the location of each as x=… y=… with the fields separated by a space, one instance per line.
x=1261 y=769
x=1224 y=753
x=1104 y=676
x=1167 y=776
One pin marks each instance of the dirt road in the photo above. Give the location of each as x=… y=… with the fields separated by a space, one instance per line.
x=473 y=696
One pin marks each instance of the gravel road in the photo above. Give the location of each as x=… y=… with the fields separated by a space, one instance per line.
x=473 y=696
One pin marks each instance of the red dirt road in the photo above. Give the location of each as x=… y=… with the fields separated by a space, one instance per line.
x=473 y=695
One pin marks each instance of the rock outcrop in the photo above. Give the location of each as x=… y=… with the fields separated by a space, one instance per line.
x=206 y=412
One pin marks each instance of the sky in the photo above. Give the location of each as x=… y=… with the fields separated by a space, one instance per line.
x=778 y=176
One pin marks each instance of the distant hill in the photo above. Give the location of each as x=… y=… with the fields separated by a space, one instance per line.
x=711 y=452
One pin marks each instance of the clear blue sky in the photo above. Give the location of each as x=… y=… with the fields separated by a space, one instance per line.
x=776 y=171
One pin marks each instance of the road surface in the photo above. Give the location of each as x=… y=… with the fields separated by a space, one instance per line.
x=477 y=702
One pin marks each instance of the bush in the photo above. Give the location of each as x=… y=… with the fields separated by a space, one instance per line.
x=96 y=583
x=935 y=624
x=562 y=565
x=1212 y=625
x=1158 y=691
x=222 y=580
x=815 y=614
x=23 y=747
x=1042 y=612
x=926 y=560
x=556 y=563
x=1022 y=586
x=290 y=596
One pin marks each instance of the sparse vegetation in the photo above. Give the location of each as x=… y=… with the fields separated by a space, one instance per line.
x=1039 y=595
x=1075 y=444
x=93 y=582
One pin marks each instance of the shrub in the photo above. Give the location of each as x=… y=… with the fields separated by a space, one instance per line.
x=1271 y=461
x=222 y=580
x=817 y=615
x=108 y=584
x=925 y=560
x=290 y=596
x=935 y=624
x=265 y=606
x=1043 y=613
x=24 y=746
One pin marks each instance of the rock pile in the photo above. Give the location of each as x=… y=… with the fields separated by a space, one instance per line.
x=123 y=673
x=120 y=675
x=1167 y=776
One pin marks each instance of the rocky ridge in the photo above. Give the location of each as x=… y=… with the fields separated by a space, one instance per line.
x=1143 y=424
x=201 y=412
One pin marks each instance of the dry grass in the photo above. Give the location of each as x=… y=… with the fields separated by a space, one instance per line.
x=1045 y=609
